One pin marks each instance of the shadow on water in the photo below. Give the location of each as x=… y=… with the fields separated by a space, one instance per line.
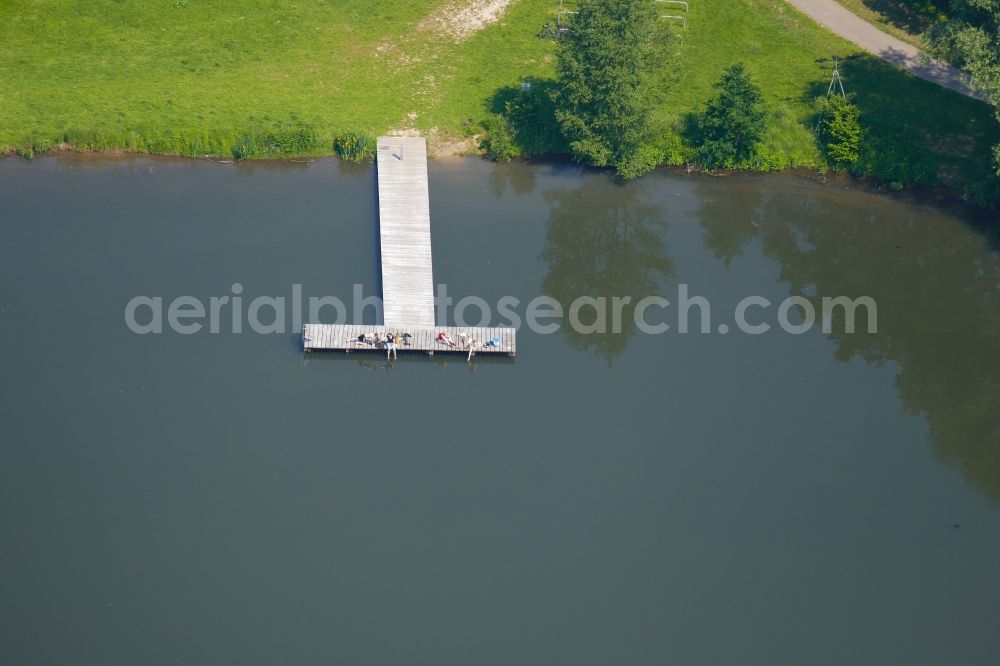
x=350 y=169
x=249 y=167
x=516 y=177
x=374 y=361
x=604 y=239
x=938 y=297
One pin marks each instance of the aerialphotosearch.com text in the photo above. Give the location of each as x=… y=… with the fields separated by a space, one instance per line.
x=656 y=314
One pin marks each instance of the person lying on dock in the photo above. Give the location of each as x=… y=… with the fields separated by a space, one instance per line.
x=463 y=339
x=445 y=338
x=365 y=339
x=397 y=339
x=407 y=339
x=492 y=343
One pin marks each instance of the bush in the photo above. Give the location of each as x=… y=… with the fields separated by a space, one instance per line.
x=245 y=149
x=33 y=146
x=291 y=141
x=768 y=159
x=354 y=146
x=296 y=140
x=643 y=160
x=673 y=150
x=499 y=143
x=733 y=123
x=839 y=130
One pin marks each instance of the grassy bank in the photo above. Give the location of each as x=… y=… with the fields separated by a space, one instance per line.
x=196 y=77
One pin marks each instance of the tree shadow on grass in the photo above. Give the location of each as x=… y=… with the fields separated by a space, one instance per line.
x=689 y=130
x=532 y=113
x=913 y=16
x=916 y=131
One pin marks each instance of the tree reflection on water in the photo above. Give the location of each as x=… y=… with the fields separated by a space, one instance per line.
x=604 y=239
x=937 y=286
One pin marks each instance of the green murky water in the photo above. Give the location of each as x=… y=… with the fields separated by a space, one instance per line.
x=616 y=499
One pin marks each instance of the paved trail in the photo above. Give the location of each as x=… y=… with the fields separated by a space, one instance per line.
x=849 y=26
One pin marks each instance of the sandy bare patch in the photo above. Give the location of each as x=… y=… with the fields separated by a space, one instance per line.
x=440 y=146
x=443 y=147
x=460 y=19
x=404 y=131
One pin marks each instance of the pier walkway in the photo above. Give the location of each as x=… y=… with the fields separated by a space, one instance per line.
x=404 y=214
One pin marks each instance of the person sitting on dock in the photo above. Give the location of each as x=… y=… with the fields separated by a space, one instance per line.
x=473 y=346
x=445 y=338
x=390 y=346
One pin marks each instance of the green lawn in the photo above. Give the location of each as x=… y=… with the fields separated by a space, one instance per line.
x=105 y=70
x=193 y=77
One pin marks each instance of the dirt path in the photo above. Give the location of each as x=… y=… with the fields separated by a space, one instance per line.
x=843 y=22
x=460 y=19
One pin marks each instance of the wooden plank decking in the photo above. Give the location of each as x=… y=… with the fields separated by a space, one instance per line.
x=344 y=337
x=405 y=232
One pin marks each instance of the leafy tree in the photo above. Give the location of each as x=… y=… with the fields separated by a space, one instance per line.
x=604 y=71
x=839 y=130
x=970 y=38
x=733 y=123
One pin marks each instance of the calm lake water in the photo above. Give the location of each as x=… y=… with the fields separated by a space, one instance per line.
x=623 y=499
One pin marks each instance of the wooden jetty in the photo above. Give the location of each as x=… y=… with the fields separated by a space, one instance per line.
x=407 y=270
x=346 y=338
x=404 y=214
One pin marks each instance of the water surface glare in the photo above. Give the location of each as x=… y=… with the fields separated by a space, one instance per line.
x=622 y=499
